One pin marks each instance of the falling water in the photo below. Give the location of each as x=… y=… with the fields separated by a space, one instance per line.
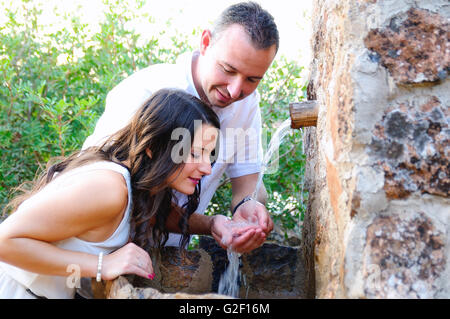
x=228 y=284
x=274 y=145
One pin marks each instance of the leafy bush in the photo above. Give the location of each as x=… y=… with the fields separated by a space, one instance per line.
x=54 y=86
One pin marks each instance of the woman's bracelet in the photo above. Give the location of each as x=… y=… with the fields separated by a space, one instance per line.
x=245 y=199
x=99 y=267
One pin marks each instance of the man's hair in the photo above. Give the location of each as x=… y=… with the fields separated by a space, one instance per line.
x=257 y=22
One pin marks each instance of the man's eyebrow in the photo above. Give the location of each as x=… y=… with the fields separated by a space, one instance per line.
x=236 y=70
x=229 y=65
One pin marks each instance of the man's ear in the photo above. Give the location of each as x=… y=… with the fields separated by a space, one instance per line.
x=205 y=41
x=148 y=152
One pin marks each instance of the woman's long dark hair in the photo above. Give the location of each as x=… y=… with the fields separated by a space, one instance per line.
x=150 y=128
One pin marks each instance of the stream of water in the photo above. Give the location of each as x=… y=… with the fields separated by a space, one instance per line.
x=274 y=144
x=228 y=284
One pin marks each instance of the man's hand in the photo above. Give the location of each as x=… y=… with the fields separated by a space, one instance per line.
x=251 y=211
x=255 y=213
x=249 y=227
x=235 y=235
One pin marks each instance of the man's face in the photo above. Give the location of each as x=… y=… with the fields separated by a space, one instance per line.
x=231 y=67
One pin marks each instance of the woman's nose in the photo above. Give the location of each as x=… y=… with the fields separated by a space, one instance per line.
x=205 y=167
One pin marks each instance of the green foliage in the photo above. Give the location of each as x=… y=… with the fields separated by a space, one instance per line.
x=54 y=84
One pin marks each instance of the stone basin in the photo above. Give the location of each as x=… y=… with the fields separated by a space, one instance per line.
x=271 y=271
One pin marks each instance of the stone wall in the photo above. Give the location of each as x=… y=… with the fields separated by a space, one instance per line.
x=378 y=171
x=269 y=272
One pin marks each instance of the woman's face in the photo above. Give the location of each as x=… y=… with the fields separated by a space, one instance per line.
x=198 y=162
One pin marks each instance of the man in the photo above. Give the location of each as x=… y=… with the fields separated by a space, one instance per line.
x=224 y=73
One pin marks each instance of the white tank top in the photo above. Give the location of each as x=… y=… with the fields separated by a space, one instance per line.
x=62 y=287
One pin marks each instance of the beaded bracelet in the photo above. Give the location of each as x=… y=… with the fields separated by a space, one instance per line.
x=99 y=267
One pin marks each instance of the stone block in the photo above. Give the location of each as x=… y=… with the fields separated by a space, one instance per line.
x=270 y=271
x=178 y=271
x=404 y=257
x=122 y=289
x=411 y=145
x=415 y=47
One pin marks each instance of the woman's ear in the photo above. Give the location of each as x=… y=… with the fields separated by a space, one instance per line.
x=148 y=152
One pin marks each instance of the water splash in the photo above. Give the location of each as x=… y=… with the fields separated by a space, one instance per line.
x=228 y=284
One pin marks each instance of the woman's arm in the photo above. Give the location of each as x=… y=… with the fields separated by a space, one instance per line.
x=216 y=226
x=199 y=224
x=88 y=202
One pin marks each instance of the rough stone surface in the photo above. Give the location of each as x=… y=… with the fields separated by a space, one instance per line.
x=122 y=289
x=271 y=271
x=413 y=146
x=415 y=46
x=404 y=257
x=186 y=275
x=190 y=272
x=377 y=161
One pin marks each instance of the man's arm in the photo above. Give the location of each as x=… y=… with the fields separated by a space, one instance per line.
x=199 y=224
x=245 y=185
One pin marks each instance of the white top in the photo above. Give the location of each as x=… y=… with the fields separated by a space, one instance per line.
x=56 y=286
x=240 y=150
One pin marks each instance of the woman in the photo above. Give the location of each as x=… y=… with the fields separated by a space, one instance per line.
x=83 y=210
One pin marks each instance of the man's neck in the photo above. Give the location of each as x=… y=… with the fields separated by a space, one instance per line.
x=195 y=65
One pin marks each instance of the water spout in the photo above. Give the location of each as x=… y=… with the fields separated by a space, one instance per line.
x=303 y=114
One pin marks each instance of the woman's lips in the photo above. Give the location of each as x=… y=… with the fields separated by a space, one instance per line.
x=194 y=180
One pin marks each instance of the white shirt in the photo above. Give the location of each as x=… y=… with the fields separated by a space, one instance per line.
x=240 y=148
